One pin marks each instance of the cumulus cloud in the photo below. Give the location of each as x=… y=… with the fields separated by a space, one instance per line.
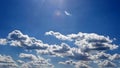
x=86 y=48
x=77 y=54
x=90 y=46
x=7 y=62
x=17 y=38
x=33 y=61
x=115 y=57
x=100 y=55
x=62 y=49
x=87 y=41
x=28 y=56
x=3 y=41
x=69 y=62
x=79 y=64
x=36 y=64
x=82 y=65
x=58 y=35
x=107 y=63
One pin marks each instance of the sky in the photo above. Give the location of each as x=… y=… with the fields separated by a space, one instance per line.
x=59 y=33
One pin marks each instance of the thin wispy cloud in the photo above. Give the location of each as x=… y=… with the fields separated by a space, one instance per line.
x=67 y=13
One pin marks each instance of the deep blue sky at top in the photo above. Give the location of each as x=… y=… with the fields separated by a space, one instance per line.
x=35 y=17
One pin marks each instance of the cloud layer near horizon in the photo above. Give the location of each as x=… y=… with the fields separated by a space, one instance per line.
x=89 y=48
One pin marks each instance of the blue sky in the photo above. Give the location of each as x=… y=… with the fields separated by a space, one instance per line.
x=53 y=22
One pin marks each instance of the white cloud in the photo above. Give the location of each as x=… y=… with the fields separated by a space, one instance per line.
x=7 y=62
x=115 y=57
x=67 y=13
x=28 y=56
x=68 y=62
x=86 y=41
x=62 y=48
x=33 y=61
x=3 y=41
x=99 y=56
x=37 y=64
x=79 y=64
x=20 y=62
x=107 y=63
x=56 y=50
x=16 y=38
x=89 y=47
x=58 y=35
x=82 y=65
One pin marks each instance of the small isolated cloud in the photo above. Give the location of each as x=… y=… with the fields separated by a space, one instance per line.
x=67 y=13
x=3 y=41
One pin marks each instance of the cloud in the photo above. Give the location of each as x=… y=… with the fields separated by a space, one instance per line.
x=16 y=38
x=36 y=64
x=79 y=64
x=7 y=62
x=20 y=62
x=33 y=61
x=67 y=13
x=58 y=35
x=62 y=48
x=28 y=56
x=77 y=54
x=115 y=57
x=86 y=41
x=3 y=41
x=107 y=63
x=100 y=55
x=56 y=50
x=68 y=62
x=79 y=50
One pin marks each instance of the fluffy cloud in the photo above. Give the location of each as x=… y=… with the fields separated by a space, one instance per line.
x=69 y=62
x=86 y=48
x=58 y=35
x=79 y=64
x=77 y=54
x=28 y=56
x=36 y=64
x=3 y=41
x=100 y=55
x=16 y=38
x=86 y=41
x=62 y=49
x=7 y=62
x=33 y=61
x=115 y=57
x=107 y=63
x=56 y=50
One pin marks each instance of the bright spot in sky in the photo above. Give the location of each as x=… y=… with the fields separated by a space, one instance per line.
x=67 y=13
x=58 y=13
